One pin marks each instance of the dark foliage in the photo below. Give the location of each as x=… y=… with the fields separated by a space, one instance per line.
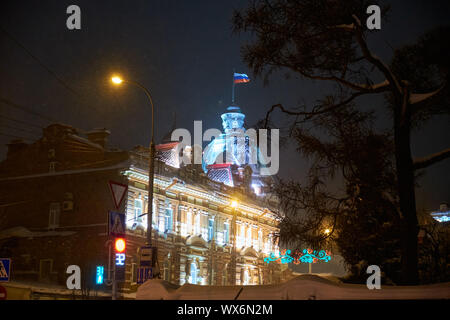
x=363 y=219
x=327 y=40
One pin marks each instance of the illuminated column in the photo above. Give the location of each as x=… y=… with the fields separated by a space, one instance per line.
x=249 y=238
x=189 y=221
x=177 y=218
x=197 y=222
x=260 y=239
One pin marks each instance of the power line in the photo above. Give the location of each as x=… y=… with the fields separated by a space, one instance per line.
x=61 y=81
x=20 y=121
x=42 y=64
x=14 y=136
x=19 y=129
x=26 y=109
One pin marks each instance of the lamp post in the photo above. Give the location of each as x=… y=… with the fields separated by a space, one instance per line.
x=151 y=170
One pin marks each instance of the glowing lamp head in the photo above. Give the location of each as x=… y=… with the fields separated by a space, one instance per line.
x=327 y=231
x=116 y=80
x=120 y=245
x=234 y=204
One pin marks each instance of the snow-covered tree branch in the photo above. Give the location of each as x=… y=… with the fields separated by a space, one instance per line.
x=432 y=159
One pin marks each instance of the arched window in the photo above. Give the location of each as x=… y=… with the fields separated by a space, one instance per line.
x=138 y=209
x=246 y=277
x=168 y=218
x=194 y=273
x=210 y=228
x=226 y=232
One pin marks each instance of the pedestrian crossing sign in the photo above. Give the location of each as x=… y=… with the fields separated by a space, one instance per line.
x=5 y=267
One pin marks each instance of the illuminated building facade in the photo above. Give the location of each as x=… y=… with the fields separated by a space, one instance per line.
x=211 y=222
x=56 y=197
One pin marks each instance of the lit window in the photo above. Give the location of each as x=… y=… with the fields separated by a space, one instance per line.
x=246 y=277
x=137 y=210
x=226 y=232
x=168 y=218
x=194 y=271
x=220 y=240
x=210 y=229
x=248 y=242
x=241 y=237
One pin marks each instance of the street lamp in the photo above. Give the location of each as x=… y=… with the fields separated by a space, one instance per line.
x=117 y=80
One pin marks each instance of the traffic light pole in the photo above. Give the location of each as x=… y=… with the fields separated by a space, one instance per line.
x=110 y=281
x=114 y=284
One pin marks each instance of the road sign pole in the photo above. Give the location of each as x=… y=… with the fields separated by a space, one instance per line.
x=114 y=284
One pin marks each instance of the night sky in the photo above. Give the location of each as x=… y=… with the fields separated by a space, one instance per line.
x=184 y=52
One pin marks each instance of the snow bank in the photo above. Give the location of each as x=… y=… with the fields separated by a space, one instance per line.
x=300 y=288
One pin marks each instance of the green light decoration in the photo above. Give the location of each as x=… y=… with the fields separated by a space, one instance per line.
x=307 y=256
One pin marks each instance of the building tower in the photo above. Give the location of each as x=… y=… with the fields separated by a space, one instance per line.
x=232 y=157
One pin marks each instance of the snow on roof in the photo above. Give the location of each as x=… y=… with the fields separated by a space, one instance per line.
x=167 y=146
x=303 y=287
x=123 y=164
x=85 y=141
x=22 y=232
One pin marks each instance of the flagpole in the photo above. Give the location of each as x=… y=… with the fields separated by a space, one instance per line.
x=232 y=90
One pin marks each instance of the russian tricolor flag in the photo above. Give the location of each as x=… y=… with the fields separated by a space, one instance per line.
x=241 y=78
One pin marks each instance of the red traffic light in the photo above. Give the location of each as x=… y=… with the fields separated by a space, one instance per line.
x=120 y=245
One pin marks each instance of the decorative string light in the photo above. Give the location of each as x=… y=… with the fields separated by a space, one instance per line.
x=307 y=256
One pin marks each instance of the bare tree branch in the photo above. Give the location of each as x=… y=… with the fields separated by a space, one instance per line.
x=383 y=86
x=432 y=159
x=309 y=114
x=415 y=98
